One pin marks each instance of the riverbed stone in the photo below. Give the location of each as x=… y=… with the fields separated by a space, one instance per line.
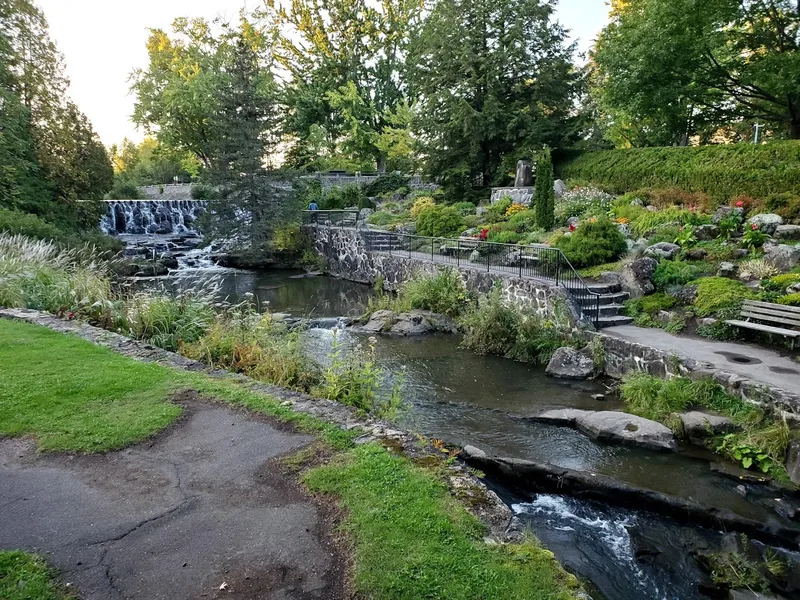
x=766 y=222
x=664 y=250
x=636 y=277
x=412 y=323
x=569 y=363
x=699 y=426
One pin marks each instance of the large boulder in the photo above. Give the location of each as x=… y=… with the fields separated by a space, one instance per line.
x=723 y=212
x=636 y=277
x=793 y=461
x=766 y=222
x=613 y=426
x=706 y=233
x=569 y=363
x=560 y=188
x=699 y=426
x=787 y=232
x=727 y=269
x=663 y=250
x=782 y=256
x=415 y=322
x=696 y=254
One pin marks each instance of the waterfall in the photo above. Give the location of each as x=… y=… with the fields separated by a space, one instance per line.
x=152 y=216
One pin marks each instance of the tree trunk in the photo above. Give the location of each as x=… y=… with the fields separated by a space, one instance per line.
x=380 y=161
x=794 y=128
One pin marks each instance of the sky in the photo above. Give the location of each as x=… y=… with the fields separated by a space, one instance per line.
x=104 y=40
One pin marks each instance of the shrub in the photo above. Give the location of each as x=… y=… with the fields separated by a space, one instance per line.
x=786 y=205
x=439 y=221
x=421 y=204
x=645 y=308
x=287 y=238
x=758 y=268
x=525 y=219
x=14 y=222
x=497 y=211
x=718 y=293
x=544 y=196
x=583 y=201
x=503 y=237
x=464 y=208
x=444 y=293
x=201 y=191
x=675 y=273
x=644 y=221
x=386 y=184
x=514 y=209
x=779 y=283
x=721 y=171
x=127 y=191
x=593 y=243
x=790 y=300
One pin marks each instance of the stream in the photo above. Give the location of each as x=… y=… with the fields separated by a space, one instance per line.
x=464 y=399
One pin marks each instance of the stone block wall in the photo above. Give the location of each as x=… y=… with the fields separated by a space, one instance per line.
x=347 y=257
x=518 y=195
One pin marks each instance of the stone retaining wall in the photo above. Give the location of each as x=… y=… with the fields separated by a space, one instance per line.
x=347 y=257
x=624 y=357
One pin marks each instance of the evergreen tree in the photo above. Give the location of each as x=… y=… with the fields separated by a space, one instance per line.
x=544 y=195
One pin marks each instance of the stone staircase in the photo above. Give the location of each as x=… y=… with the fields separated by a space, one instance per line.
x=612 y=303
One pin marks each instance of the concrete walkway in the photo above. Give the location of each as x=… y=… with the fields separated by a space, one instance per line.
x=748 y=361
x=202 y=511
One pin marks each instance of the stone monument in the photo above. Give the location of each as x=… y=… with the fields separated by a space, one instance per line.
x=524 y=174
x=522 y=192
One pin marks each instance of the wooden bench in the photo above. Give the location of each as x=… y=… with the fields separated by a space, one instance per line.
x=774 y=318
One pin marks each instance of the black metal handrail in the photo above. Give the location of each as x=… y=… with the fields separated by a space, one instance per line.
x=536 y=261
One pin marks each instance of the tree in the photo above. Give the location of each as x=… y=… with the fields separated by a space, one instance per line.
x=348 y=92
x=544 y=193
x=497 y=82
x=666 y=71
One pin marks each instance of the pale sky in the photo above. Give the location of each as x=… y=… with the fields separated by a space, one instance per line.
x=104 y=40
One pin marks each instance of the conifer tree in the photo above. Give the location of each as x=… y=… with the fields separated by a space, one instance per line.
x=545 y=196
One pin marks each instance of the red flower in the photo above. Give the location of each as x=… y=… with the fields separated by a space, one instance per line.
x=740 y=204
x=754 y=226
x=483 y=234
x=572 y=227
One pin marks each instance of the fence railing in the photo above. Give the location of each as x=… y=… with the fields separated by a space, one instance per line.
x=535 y=261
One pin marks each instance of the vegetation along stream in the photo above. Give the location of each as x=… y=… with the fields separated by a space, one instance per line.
x=462 y=398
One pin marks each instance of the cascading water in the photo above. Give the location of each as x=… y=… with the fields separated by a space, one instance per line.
x=160 y=217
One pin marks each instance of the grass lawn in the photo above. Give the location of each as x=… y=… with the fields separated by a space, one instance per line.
x=72 y=395
x=27 y=577
x=413 y=540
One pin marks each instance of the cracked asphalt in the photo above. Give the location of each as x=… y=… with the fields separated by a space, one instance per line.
x=200 y=511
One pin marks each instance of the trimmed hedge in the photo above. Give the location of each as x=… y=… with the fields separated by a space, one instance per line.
x=723 y=172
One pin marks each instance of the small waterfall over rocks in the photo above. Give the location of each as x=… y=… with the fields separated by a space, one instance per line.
x=161 y=217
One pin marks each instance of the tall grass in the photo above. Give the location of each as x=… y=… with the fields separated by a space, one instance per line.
x=443 y=293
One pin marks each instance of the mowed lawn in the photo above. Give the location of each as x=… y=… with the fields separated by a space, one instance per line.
x=71 y=395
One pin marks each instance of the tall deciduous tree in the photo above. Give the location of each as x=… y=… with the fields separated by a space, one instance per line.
x=665 y=71
x=496 y=82
x=348 y=91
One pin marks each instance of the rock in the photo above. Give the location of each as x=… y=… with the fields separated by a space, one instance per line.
x=787 y=232
x=767 y=222
x=781 y=256
x=569 y=363
x=524 y=176
x=699 y=426
x=412 y=323
x=625 y=230
x=169 y=261
x=793 y=289
x=513 y=258
x=610 y=277
x=729 y=270
x=560 y=188
x=636 y=277
x=696 y=254
x=408 y=228
x=415 y=322
x=379 y=321
x=793 y=461
x=364 y=213
x=750 y=595
x=599 y=397
x=740 y=253
x=706 y=321
x=475 y=256
x=741 y=490
x=706 y=233
x=663 y=250
x=723 y=212
x=575 y=221
x=480 y=211
x=472 y=452
x=685 y=294
x=612 y=426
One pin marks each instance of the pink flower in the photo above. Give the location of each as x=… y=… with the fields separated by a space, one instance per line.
x=754 y=226
x=740 y=204
x=683 y=227
x=572 y=227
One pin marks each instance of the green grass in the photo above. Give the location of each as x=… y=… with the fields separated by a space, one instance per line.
x=412 y=540
x=27 y=577
x=74 y=396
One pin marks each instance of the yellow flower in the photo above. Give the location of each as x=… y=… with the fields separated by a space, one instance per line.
x=623 y=221
x=514 y=209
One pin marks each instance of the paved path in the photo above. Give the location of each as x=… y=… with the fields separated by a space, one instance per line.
x=202 y=505
x=752 y=362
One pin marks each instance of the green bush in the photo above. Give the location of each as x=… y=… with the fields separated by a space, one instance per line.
x=675 y=272
x=439 y=221
x=524 y=220
x=125 y=191
x=721 y=171
x=649 y=306
x=718 y=293
x=497 y=211
x=593 y=243
x=779 y=283
x=503 y=237
x=386 y=184
x=444 y=293
x=544 y=195
x=786 y=205
x=201 y=191
x=465 y=208
x=790 y=300
x=18 y=223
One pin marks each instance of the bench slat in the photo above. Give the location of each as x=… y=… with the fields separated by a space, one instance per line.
x=771 y=319
x=769 y=313
x=781 y=307
x=764 y=328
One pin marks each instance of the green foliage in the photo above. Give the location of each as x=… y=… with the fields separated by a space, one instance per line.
x=715 y=294
x=166 y=321
x=736 y=571
x=583 y=202
x=386 y=184
x=401 y=516
x=790 y=300
x=14 y=222
x=499 y=327
x=129 y=191
x=779 y=283
x=497 y=211
x=503 y=237
x=72 y=395
x=202 y=191
x=676 y=272
x=753 y=237
x=787 y=205
x=593 y=243
x=439 y=221
x=544 y=196
x=465 y=208
x=722 y=171
x=443 y=293
x=644 y=309
x=27 y=577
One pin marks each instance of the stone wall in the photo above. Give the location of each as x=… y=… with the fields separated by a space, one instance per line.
x=624 y=357
x=518 y=195
x=347 y=257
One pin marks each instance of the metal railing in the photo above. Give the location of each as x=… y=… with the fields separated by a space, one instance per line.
x=331 y=218
x=535 y=261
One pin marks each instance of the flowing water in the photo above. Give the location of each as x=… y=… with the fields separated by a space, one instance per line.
x=468 y=399
x=163 y=217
